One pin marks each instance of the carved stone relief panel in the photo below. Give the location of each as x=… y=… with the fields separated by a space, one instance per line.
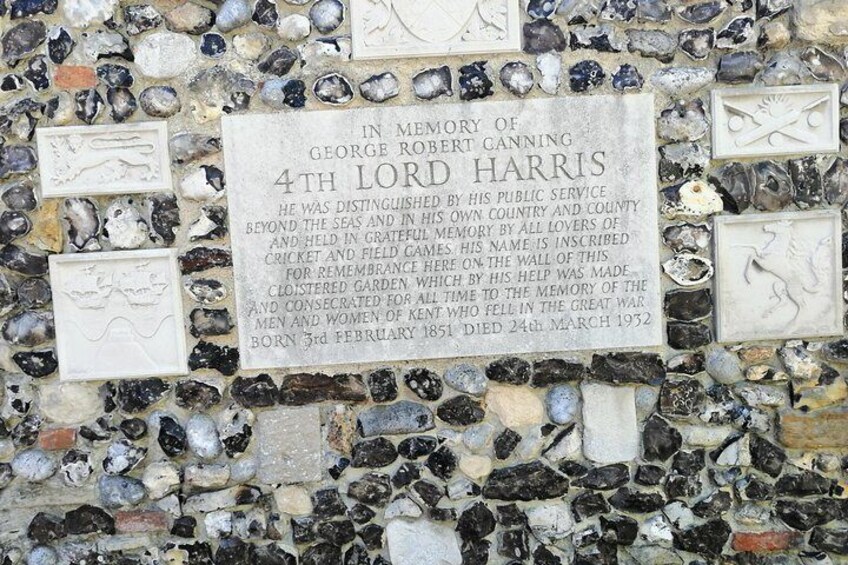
x=401 y=28
x=783 y=120
x=779 y=276
x=110 y=159
x=118 y=314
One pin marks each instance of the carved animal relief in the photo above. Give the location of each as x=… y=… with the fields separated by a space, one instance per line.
x=118 y=315
x=397 y=28
x=114 y=159
x=775 y=121
x=779 y=276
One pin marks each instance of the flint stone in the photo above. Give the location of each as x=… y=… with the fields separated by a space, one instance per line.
x=527 y=481
x=637 y=368
x=610 y=433
x=290 y=448
x=421 y=542
x=404 y=417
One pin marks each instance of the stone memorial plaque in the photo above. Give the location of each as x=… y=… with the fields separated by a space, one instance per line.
x=446 y=231
x=118 y=314
x=779 y=276
x=783 y=120
x=290 y=449
x=109 y=159
x=409 y=28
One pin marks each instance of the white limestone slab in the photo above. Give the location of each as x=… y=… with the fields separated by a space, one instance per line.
x=118 y=314
x=444 y=231
x=107 y=159
x=778 y=275
x=780 y=120
x=410 y=28
x=421 y=542
x=610 y=433
x=290 y=448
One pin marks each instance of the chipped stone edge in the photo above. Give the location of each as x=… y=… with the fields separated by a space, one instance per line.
x=113 y=373
x=721 y=149
x=724 y=334
x=45 y=162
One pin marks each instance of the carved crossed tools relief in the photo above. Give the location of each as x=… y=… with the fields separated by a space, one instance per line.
x=112 y=159
x=775 y=121
x=397 y=28
x=779 y=276
x=118 y=312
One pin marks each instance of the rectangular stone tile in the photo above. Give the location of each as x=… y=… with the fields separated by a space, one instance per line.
x=778 y=276
x=398 y=233
x=410 y=28
x=290 y=446
x=610 y=433
x=118 y=314
x=781 y=120
x=820 y=429
x=107 y=159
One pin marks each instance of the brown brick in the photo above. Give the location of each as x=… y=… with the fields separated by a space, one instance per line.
x=760 y=542
x=71 y=76
x=133 y=521
x=821 y=428
x=57 y=438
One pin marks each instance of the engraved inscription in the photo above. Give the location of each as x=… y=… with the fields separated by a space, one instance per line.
x=784 y=268
x=774 y=121
x=110 y=159
x=396 y=28
x=118 y=315
x=502 y=227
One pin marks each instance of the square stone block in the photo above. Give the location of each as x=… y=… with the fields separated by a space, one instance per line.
x=108 y=159
x=409 y=28
x=118 y=314
x=610 y=433
x=778 y=276
x=781 y=120
x=290 y=448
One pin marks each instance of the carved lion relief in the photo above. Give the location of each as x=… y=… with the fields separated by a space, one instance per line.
x=779 y=276
x=118 y=314
x=111 y=159
x=397 y=28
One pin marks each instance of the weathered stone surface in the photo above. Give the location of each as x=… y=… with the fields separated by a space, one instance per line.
x=402 y=417
x=290 y=446
x=819 y=429
x=609 y=419
x=421 y=542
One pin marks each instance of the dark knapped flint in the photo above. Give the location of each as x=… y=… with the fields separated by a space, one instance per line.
x=164 y=217
x=554 y=371
x=195 y=395
x=649 y=475
x=505 y=443
x=806 y=514
x=740 y=67
x=707 y=539
x=836 y=182
x=60 y=44
x=635 y=367
x=627 y=77
x=36 y=364
x=688 y=335
x=221 y=358
x=604 y=478
x=22 y=39
x=442 y=463
x=514 y=543
x=734 y=182
x=424 y=383
x=681 y=397
x=45 y=528
x=210 y=321
x=321 y=554
x=373 y=453
x=629 y=500
x=305 y=388
x=836 y=351
x=253 y=392
x=278 y=62
x=510 y=370
x=586 y=75
x=87 y=105
x=772 y=186
x=19 y=195
x=834 y=540
x=526 y=481
x=474 y=82
x=461 y=411
x=272 y=554
x=702 y=12
x=475 y=522
x=172 y=436
x=137 y=395
x=383 y=385
x=542 y=36
x=588 y=504
x=714 y=505
x=620 y=530
x=765 y=456
x=688 y=305
x=697 y=43
x=805 y=483
x=659 y=440
x=406 y=474
x=374 y=489
x=476 y=552
x=89 y=519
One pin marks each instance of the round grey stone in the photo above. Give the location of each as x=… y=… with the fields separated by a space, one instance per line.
x=34 y=465
x=466 y=378
x=160 y=101
x=562 y=403
x=118 y=491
